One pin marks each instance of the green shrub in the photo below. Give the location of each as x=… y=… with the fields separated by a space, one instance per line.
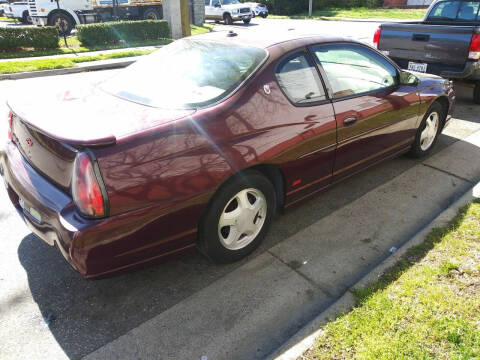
x=108 y=33
x=39 y=38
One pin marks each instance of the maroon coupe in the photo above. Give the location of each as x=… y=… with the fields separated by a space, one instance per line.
x=202 y=142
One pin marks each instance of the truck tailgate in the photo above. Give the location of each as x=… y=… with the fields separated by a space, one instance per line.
x=444 y=44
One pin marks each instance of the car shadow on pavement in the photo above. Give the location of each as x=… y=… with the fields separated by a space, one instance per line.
x=83 y=315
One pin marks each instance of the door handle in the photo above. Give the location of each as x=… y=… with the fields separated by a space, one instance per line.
x=420 y=37
x=349 y=120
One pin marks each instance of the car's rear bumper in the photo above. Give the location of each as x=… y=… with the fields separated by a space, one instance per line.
x=469 y=72
x=94 y=247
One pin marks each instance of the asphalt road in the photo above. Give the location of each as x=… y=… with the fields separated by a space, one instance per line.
x=48 y=312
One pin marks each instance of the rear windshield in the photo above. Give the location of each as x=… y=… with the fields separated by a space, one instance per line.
x=186 y=74
x=454 y=11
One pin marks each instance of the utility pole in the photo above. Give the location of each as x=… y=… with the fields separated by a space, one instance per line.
x=178 y=16
x=310 y=6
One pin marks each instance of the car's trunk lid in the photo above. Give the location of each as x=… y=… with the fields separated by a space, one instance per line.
x=50 y=130
x=421 y=42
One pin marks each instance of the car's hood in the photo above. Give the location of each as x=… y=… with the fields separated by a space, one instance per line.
x=235 y=6
x=89 y=115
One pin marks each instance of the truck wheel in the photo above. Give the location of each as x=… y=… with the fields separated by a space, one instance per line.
x=476 y=93
x=151 y=14
x=227 y=19
x=62 y=22
x=26 y=19
x=246 y=21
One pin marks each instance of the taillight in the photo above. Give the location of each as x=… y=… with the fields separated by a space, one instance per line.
x=10 y=124
x=474 y=51
x=376 y=37
x=86 y=190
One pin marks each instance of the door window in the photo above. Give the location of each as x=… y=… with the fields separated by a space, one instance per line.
x=352 y=69
x=299 y=79
x=468 y=11
x=207 y=2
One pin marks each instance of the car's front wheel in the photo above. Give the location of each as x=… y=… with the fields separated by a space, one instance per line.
x=429 y=130
x=238 y=217
x=227 y=19
x=246 y=21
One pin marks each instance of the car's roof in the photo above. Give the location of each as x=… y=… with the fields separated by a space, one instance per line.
x=267 y=40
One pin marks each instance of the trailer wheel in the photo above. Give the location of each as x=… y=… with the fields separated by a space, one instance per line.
x=151 y=14
x=476 y=93
x=62 y=22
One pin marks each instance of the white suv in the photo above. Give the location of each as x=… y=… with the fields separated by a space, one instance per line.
x=228 y=11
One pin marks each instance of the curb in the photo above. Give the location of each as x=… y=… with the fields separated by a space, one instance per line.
x=304 y=339
x=82 y=67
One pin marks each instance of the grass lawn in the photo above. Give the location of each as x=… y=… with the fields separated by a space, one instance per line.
x=73 y=45
x=425 y=307
x=10 y=67
x=359 y=13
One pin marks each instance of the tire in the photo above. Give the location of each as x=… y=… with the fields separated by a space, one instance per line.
x=246 y=21
x=227 y=19
x=248 y=200
x=423 y=144
x=476 y=93
x=151 y=14
x=264 y=15
x=253 y=15
x=24 y=18
x=63 y=23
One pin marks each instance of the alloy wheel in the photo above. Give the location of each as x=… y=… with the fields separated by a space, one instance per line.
x=428 y=134
x=242 y=219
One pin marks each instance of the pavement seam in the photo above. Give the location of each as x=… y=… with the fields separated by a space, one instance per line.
x=448 y=173
x=310 y=281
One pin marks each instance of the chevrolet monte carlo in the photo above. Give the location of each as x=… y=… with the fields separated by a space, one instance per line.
x=203 y=142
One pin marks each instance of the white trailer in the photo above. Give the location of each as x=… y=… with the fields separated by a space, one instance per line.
x=67 y=13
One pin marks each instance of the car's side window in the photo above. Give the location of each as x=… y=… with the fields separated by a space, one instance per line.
x=354 y=69
x=215 y=2
x=207 y=2
x=299 y=79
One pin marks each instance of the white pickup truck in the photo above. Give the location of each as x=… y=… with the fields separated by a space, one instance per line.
x=19 y=11
x=228 y=11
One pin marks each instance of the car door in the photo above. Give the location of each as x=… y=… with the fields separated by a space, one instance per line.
x=308 y=160
x=376 y=117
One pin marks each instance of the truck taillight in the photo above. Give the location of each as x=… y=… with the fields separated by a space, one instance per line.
x=474 y=51
x=376 y=37
x=10 y=124
x=86 y=191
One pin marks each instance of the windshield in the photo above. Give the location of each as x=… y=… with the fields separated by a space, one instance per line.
x=186 y=74
x=228 y=2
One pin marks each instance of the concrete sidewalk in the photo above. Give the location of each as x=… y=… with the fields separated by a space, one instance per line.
x=254 y=309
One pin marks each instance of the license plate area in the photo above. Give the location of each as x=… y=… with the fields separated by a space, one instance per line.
x=418 y=67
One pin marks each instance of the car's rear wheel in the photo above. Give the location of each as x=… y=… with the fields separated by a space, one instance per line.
x=246 y=21
x=264 y=15
x=428 y=131
x=476 y=93
x=238 y=217
x=227 y=19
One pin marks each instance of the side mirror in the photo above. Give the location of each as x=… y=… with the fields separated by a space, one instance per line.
x=218 y=5
x=407 y=78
